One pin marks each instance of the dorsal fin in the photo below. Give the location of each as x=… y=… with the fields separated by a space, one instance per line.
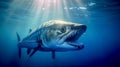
x=30 y=30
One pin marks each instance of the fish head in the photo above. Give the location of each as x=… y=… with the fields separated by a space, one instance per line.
x=61 y=35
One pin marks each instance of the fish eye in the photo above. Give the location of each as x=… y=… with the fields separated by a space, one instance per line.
x=59 y=32
x=63 y=30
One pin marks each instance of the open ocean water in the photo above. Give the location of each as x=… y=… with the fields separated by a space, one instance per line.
x=101 y=39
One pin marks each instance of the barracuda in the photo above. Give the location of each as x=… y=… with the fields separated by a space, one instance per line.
x=54 y=35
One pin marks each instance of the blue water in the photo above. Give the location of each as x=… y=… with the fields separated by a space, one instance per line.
x=102 y=38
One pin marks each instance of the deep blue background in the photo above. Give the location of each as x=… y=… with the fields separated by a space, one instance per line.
x=102 y=38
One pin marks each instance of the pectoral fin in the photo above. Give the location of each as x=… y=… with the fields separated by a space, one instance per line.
x=35 y=49
x=28 y=51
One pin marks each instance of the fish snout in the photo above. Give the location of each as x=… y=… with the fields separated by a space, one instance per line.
x=80 y=27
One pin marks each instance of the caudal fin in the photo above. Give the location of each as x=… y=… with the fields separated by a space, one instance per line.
x=18 y=37
x=19 y=48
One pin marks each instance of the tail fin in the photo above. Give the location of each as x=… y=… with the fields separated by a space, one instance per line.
x=19 y=48
x=18 y=37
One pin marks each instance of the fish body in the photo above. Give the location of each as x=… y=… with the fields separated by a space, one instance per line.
x=54 y=35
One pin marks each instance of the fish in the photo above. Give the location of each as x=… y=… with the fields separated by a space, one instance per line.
x=53 y=36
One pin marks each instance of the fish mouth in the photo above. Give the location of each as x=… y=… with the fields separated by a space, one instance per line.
x=72 y=38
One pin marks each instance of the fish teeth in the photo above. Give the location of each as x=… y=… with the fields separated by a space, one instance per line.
x=73 y=34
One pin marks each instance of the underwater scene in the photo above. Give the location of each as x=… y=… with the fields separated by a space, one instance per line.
x=59 y=33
